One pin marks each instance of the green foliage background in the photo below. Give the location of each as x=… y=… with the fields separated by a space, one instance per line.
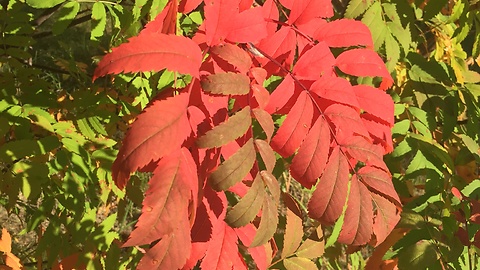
x=59 y=131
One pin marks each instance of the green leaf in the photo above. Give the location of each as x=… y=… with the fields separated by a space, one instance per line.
x=417 y=256
x=235 y=168
x=429 y=145
x=373 y=19
x=99 y=20
x=44 y=3
x=233 y=128
x=402 y=34
x=422 y=116
x=249 y=206
x=296 y=263
x=18 y=149
x=401 y=127
x=421 y=162
x=85 y=128
x=393 y=52
x=402 y=148
x=471 y=145
x=67 y=13
x=356 y=8
x=433 y=8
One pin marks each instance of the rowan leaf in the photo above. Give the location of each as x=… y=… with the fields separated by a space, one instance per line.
x=364 y=151
x=344 y=33
x=234 y=127
x=295 y=127
x=265 y=120
x=234 y=56
x=226 y=84
x=356 y=8
x=149 y=131
x=171 y=189
x=152 y=52
x=375 y=102
x=222 y=252
x=5 y=241
x=248 y=206
x=259 y=254
x=235 y=168
x=386 y=217
x=335 y=89
x=293 y=234
x=346 y=119
x=267 y=154
x=327 y=201
x=224 y=22
x=268 y=222
x=298 y=263
x=311 y=249
x=364 y=62
x=171 y=252
x=273 y=187
x=380 y=181
x=357 y=226
x=281 y=95
x=303 y=11
x=316 y=62
x=310 y=161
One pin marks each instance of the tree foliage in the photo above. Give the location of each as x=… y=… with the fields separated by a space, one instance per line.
x=240 y=134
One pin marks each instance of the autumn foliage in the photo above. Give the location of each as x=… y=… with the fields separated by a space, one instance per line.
x=219 y=136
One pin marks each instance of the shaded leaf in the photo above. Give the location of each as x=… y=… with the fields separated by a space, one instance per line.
x=248 y=206
x=386 y=217
x=295 y=127
x=378 y=180
x=268 y=223
x=330 y=195
x=293 y=234
x=267 y=154
x=309 y=163
x=368 y=153
x=419 y=255
x=226 y=84
x=235 y=168
x=234 y=55
x=233 y=128
x=297 y=263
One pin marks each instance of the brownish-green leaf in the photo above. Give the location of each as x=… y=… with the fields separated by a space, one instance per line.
x=247 y=208
x=293 y=234
x=226 y=84
x=297 y=263
x=267 y=154
x=235 y=168
x=227 y=131
x=268 y=223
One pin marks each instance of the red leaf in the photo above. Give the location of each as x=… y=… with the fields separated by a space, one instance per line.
x=380 y=132
x=330 y=195
x=148 y=132
x=317 y=61
x=357 y=225
x=223 y=22
x=281 y=96
x=303 y=11
x=344 y=33
x=165 y=22
x=308 y=164
x=380 y=181
x=295 y=127
x=335 y=89
x=234 y=56
x=172 y=188
x=280 y=46
x=347 y=120
x=364 y=62
x=171 y=252
x=386 y=217
x=259 y=255
x=152 y=52
x=375 y=102
x=187 y=6
x=222 y=252
x=364 y=151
